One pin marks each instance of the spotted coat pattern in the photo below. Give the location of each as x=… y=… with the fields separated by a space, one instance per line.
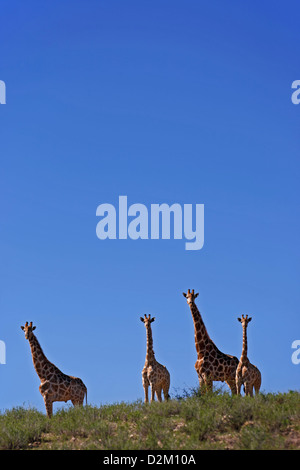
x=154 y=374
x=55 y=385
x=211 y=365
x=247 y=374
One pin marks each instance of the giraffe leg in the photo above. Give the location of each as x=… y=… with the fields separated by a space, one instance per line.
x=256 y=388
x=145 y=382
x=248 y=389
x=257 y=384
x=203 y=388
x=80 y=399
x=84 y=396
x=232 y=385
x=45 y=390
x=152 y=393
x=238 y=381
x=206 y=384
x=146 y=386
x=48 y=405
x=238 y=387
x=166 y=391
x=146 y=393
x=158 y=394
x=200 y=378
x=76 y=402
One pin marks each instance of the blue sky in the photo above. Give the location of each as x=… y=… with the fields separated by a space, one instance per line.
x=165 y=102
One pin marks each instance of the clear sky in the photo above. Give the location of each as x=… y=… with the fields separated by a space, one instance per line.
x=163 y=101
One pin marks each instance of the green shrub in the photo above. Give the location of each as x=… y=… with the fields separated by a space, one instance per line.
x=215 y=420
x=20 y=427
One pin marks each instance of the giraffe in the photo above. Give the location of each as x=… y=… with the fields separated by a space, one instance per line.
x=247 y=373
x=212 y=364
x=154 y=374
x=55 y=386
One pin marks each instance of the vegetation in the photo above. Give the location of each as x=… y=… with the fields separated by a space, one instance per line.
x=190 y=421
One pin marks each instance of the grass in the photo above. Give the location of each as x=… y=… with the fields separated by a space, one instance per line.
x=188 y=422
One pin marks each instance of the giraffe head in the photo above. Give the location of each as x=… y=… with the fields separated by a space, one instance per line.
x=28 y=329
x=245 y=320
x=190 y=296
x=147 y=320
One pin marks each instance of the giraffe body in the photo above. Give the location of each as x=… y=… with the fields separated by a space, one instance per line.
x=212 y=364
x=247 y=374
x=154 y=374
x=55 y=385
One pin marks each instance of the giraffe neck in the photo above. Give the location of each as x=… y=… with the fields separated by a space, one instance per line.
x=150 y=353
x=38 y=357
x=244 y=355
x=201 y=335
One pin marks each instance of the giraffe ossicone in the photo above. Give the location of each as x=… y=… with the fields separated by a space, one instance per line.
x=55 y=385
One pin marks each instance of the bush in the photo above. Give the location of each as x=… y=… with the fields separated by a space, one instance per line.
x=213 y=421
x=20 y=427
